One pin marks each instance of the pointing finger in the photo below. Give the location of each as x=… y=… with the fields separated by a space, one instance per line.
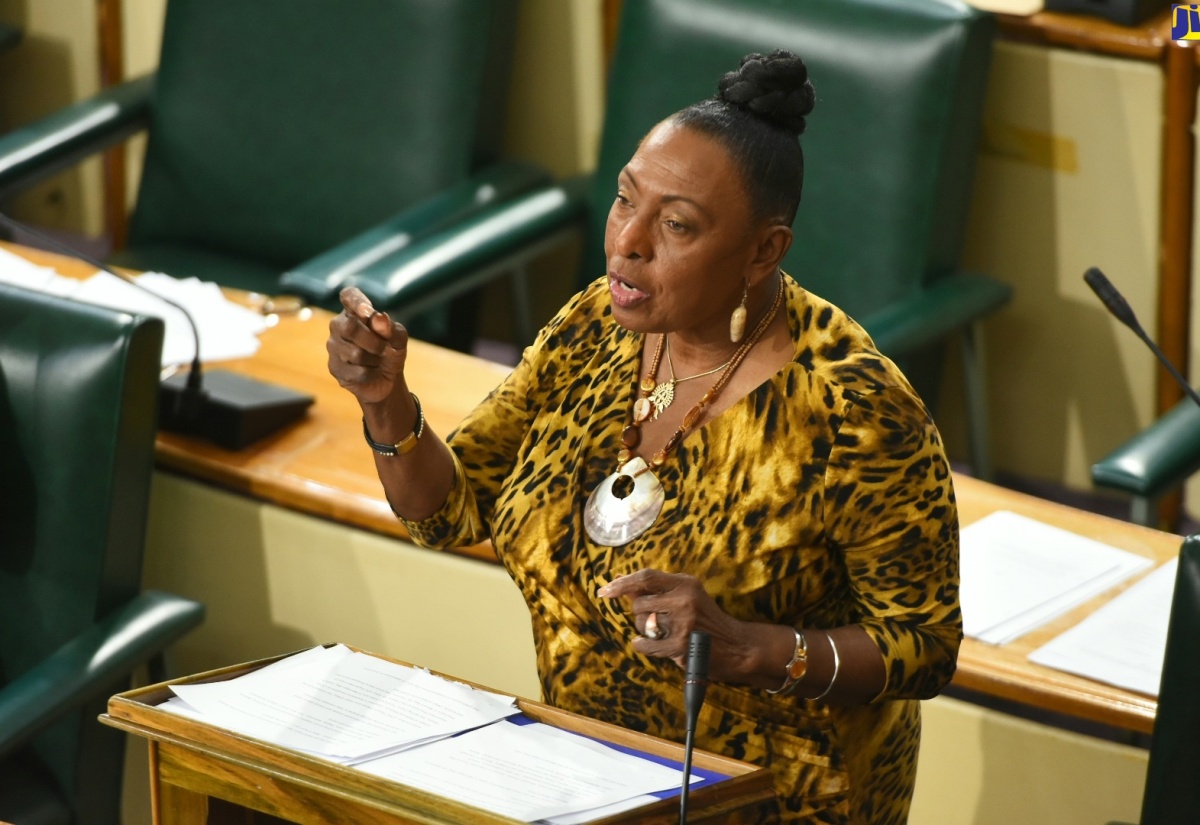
x=639 y=583
x=356 y=303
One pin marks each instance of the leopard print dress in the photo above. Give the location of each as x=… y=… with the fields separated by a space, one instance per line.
x=823 y=498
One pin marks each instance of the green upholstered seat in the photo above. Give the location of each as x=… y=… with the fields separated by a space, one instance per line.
x=1155 y=461
x=280 y=130
x=78 y=400
x=1172 y=794
x=889 y=159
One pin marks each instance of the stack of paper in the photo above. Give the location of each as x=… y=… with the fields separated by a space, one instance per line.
x=1018 y=574
x=342 y=705
x=226 y=329
x=1124 y=642
x=529 y=772
x=405 y=724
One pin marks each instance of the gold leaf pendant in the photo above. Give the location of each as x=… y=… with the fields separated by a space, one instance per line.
x=662 y=397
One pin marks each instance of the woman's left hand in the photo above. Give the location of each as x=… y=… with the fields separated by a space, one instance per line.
x=676 y=604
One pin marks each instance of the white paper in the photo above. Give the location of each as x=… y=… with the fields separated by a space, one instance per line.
x=592 y=814
x=1124 y=642
x=17 y=271
x=347 y=707
x=226 y=329
x=1018 y=573
x=527 y=772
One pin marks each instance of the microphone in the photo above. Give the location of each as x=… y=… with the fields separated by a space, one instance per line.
x=228 y=409
x=695 y=685
x=1115 y=302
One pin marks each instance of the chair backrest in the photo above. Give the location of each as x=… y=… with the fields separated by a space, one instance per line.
x=78 y=405
x=282 y=127
x=1172 y=793
x=889 y=151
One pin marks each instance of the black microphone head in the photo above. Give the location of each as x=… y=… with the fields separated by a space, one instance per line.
x=1112 y=299
x=699 y=644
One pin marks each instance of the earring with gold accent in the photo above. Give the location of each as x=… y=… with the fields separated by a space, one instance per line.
x=737 y=321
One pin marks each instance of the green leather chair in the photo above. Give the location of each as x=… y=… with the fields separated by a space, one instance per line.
x=1153 y=462
x=78 y=396
x=889 y=158
x=299 y=136
x=1172 y=794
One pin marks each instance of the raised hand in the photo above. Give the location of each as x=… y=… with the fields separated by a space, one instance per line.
x=367 y=349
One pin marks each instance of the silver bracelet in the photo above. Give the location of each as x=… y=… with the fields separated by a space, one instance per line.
x=837 y=663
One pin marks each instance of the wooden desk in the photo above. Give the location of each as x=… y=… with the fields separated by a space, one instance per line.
x=1005 y=672
x=192 y=764
x=321 y=467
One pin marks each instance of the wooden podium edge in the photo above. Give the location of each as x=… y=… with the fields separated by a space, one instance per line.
x=136 y=712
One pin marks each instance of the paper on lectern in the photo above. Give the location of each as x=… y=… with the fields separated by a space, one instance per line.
x=343 y=705
x=527 y=772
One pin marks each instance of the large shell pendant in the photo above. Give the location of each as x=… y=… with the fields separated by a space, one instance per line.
x=624 y=505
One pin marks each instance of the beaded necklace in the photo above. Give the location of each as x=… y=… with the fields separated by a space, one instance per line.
x=664 y=391
x=626 y=503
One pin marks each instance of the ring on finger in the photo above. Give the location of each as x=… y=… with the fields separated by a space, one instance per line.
x=652 y=629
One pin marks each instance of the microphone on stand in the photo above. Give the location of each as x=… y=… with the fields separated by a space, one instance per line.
x=223 y=407
x=1115 y=302
x=695 y=685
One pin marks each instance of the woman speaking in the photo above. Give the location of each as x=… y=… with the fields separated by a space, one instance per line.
x=695 y=442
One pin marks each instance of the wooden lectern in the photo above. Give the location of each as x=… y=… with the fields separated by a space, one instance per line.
x=200 y=773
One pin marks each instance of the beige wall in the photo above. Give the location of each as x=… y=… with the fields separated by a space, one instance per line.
x=1068 y=177
x=54 y=65
x=983 y=767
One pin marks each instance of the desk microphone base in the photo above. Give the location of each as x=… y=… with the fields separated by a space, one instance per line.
x=231 y=410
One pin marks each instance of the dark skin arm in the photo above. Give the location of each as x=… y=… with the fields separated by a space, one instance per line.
x=748 y=653
x=367 y=352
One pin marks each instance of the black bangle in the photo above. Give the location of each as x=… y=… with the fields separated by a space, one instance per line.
x=403 y=445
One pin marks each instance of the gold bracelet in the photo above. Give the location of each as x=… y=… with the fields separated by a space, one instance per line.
x=405 y=444
x=796 y=668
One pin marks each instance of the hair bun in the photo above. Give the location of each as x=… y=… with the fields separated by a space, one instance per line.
x=775 y=87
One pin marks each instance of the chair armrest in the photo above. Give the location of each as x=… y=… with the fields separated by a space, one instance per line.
x=320 y=278
x=462 y=256
x=946 y=306
x=1160 y=457
x=92 y=662
x=36 y=151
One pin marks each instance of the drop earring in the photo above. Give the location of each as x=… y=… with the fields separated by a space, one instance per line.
x=737 y=321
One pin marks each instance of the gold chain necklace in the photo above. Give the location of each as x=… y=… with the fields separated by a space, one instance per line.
x=664 y=393
x=627 y=502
